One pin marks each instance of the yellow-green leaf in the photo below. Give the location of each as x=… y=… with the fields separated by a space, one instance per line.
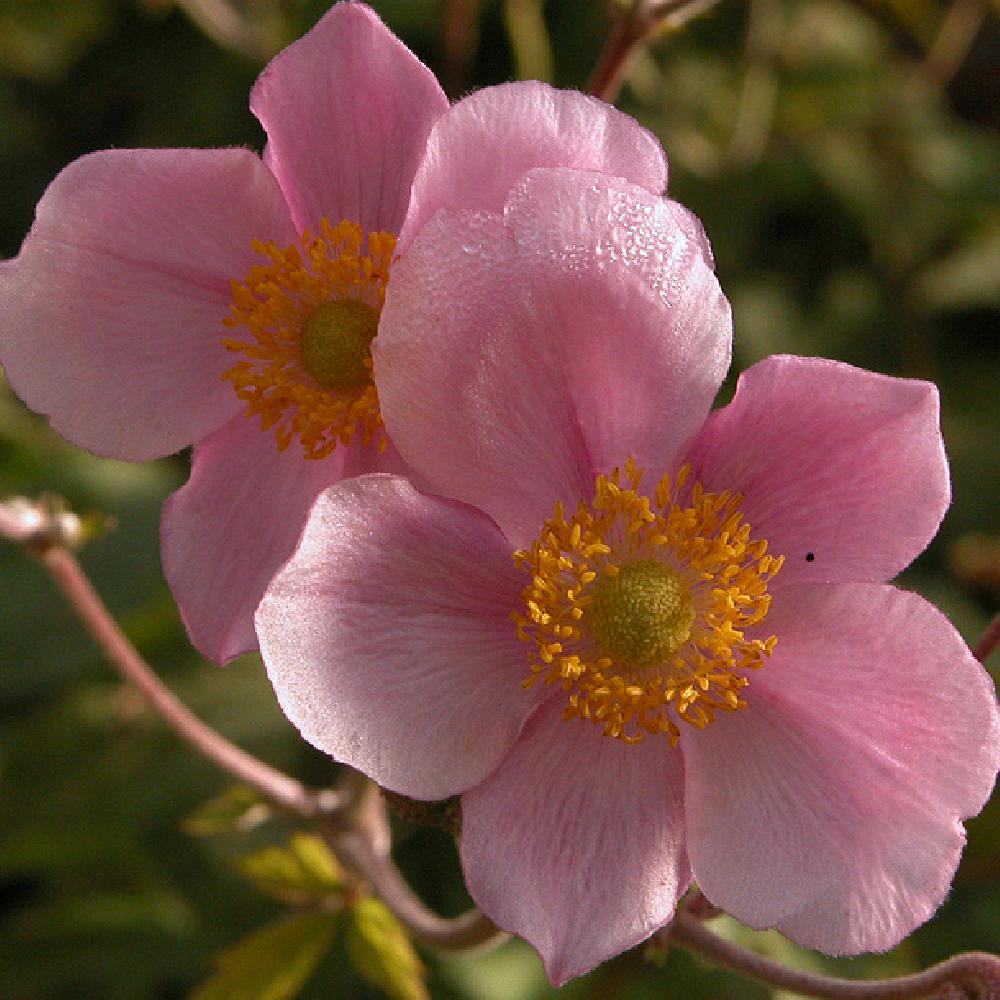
x=303 y=871
x=236 y=810
x=272 y=963
x=380 y=950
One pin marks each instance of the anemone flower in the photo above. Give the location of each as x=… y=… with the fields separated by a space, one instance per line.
x=176 y=296
x=646 y=643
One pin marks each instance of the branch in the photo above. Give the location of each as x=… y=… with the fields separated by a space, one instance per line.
x=955 y=37
x=352 y=817
x=974 y=975
x=34 y=527
x=630 y=28
x=470 y=930
x=627 y=33
x=988 y=641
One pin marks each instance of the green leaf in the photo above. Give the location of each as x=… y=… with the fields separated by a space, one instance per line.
x=381 y=953
x=302 y=872
x=273 y=962
x=236 y=810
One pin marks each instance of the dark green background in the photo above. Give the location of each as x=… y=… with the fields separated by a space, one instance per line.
x=850 y=193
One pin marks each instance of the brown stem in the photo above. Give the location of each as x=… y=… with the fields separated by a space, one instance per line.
x=955 y=37
x=353 y=816
x=279 y=788
x=975 y=974
x=470 y=930
x=988 y=641
x=628 y=31
x=460 y=36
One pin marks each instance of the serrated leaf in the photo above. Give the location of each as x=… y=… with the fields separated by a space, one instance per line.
x=236 y=810
x=272 y=963
x=304 y=871
x=381 y=953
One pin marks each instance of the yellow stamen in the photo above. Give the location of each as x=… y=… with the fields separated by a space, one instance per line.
x=638 y=605
x=311 y=313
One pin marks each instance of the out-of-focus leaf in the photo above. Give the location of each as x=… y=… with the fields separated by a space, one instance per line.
x=273 y=962
x=529 y=39
x=968 y=276
x=381 y=952
x=236 y=810
x=302 y=872
x=41 y=39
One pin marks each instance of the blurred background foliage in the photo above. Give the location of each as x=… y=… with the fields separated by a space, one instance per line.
x=844 y=158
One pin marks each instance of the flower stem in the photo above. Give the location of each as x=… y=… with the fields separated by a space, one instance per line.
x=972 y=976
x=629 y=29
x=45 y=530
x=471 y=930
x=352 y=816
x=988 y=641
x=278 y=787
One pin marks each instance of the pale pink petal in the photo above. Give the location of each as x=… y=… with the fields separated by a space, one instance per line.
x=479 y=149
x=231 y=527
x=576 y=842
x=830 y=806
x=843 y=471
x=388 y=638
x=347 y=109
x=693 y=229
x=517 y=357
x=112 y=313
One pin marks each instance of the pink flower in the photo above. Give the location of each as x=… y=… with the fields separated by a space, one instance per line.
x=645 y=643
x=163 y=296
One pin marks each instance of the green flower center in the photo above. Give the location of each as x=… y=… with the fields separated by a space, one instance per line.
x=641 y=615
x=335 y=343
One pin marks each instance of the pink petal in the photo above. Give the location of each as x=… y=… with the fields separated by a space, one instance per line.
x=388 y=640
x=517 y=357
x=481 y=147
x=347 y=110
x=576 y=842
x=830 y=806
x=833 y=461
x=113 y=310
x=231 y=527
x=693 y=229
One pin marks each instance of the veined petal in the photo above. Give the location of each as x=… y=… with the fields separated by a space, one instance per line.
x=388 y=638
x=231 y=527
x=113 y=310
x=519 y=356
x=347 y=110
x=576 y=842
x=830 y=806
x=482 y=146
x=843 y=471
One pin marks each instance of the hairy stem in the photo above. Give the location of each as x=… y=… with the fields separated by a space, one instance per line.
x=629 y=29
x=279 y=788
x=988 y=641
x=471 y=930
x=353 y=816
x=628 y=32
x=974 y=975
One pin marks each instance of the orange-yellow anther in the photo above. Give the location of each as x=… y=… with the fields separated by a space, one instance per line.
x=310 y=314
x=639 y=605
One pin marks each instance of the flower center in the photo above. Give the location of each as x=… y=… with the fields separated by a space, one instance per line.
x=309 y=315
x=335 y=343
x=640 y=606
x=641 y=614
